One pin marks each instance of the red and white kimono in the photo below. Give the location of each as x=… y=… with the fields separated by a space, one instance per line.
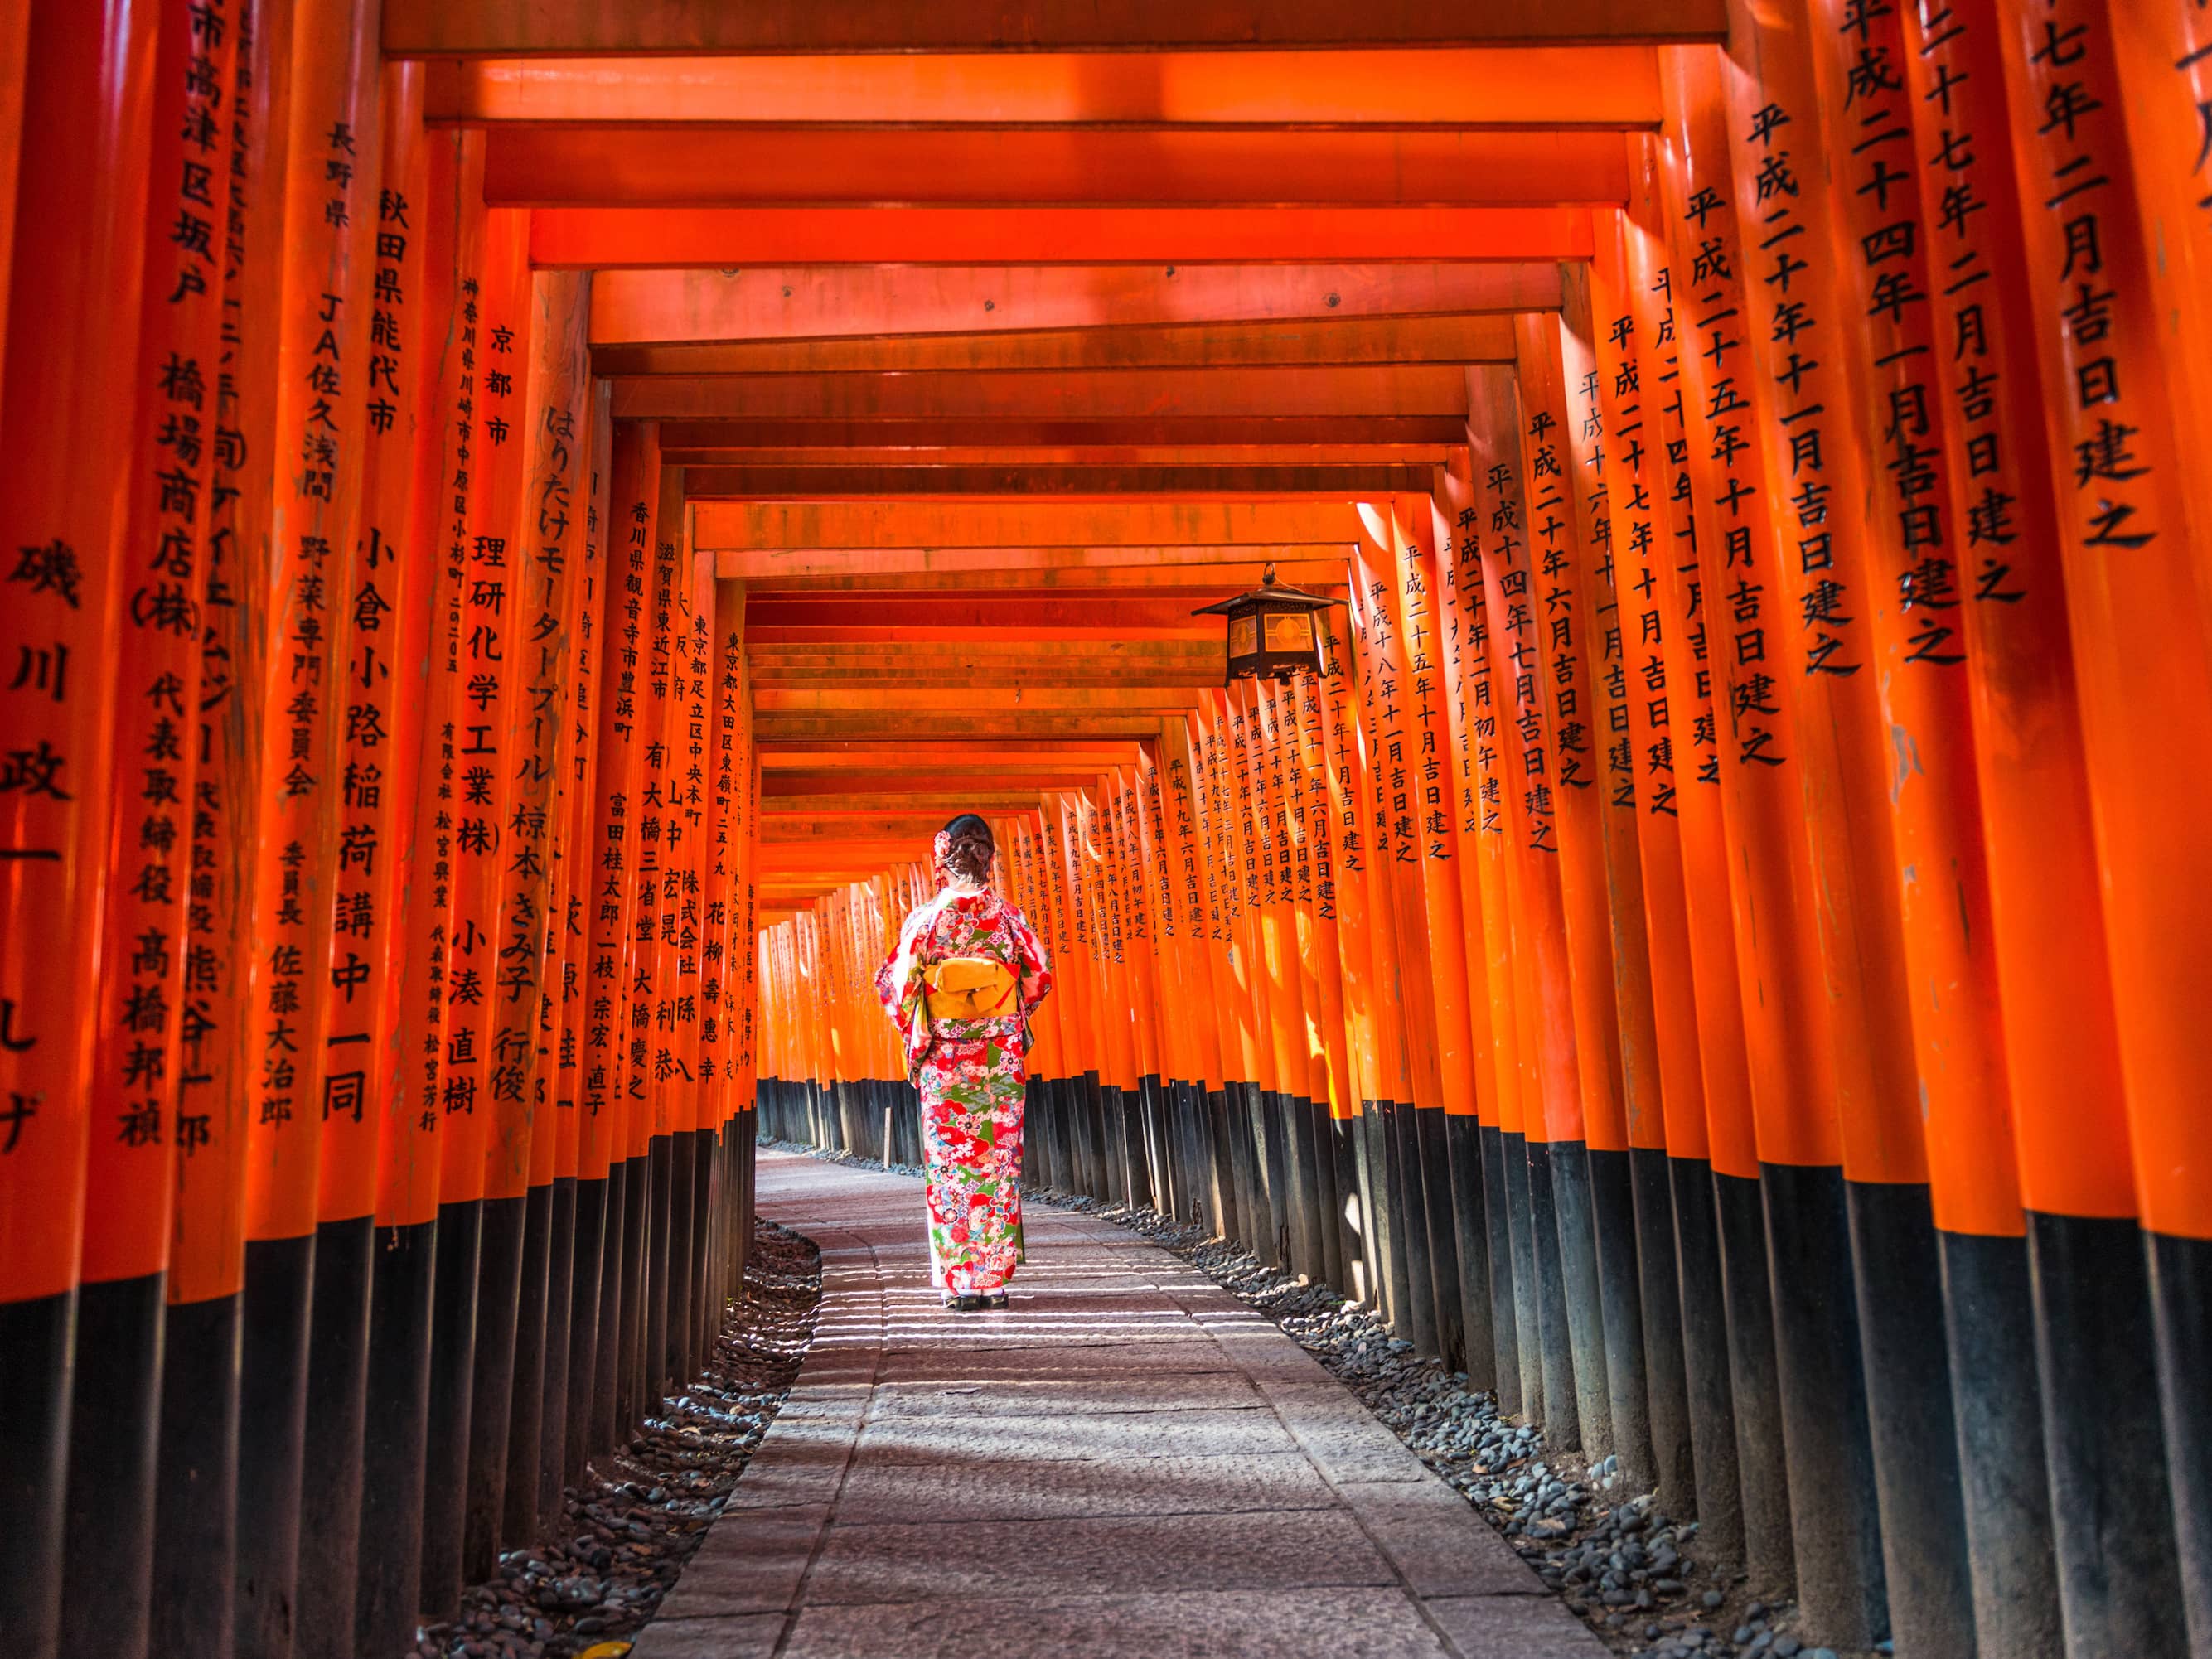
x=971 y=1074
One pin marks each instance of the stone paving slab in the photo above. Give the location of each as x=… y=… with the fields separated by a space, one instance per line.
x=1130 y=1461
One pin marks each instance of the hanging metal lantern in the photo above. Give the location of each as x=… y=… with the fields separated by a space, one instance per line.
x=1274 y=632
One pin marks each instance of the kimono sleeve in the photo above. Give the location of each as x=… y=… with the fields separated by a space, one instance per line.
x=899 y=985
x=1036 y=967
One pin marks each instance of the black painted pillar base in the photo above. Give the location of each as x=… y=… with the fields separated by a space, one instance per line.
x=1563 y=1426
x=2181 y=1314
x=1350 y=1220
x=403 y=1279
x=1113 y=1145
x=452 y=1370
x=1909 y=1419
x=1525 y=1276
x=1470 y=1211
x=1329 y=1198
x=1440 y=1203
x=280 y=1275
x=1708 y=1373
x=192 y=1607
x=491 y=1389
x=1582 y=1287
x=1269 y=1136
x=1835 y=1514
x=1139 y=1119
x=1410 y=1207
x=1673 y=1462
x=2120 y=1581
x=562 y=1262
x=1253 y=1221
x=337 y=1409
x=107 y=1558
x=1497 y=1290
x=1370 y=1184
x=1621 y=1309
x=1989 y=1319
x=1386 y=1172
x=525 y=1400
x=659 y=1240
x=37 y=1337
x=678 y=1340
x=606 y=1336
x=1755 y=1389
x=1221 y=1163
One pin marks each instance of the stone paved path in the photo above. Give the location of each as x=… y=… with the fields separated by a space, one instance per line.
x=1130 y=1461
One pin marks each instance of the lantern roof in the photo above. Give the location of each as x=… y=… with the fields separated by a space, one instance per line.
x=1270 y=592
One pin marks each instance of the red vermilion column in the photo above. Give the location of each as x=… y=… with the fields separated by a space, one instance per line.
x=2046 y=934
x=1628 y=408
x=1288 y=993
x=1778 y=794
x=436 y=1032
x=1565 y=701
x=1233 y=784
x=1316 y=819
x=2130 y=543
x=1166 y=1118
x=1431 y=930
x=722 y=949
x=311 y=565
x=131 y=1172
x=369 y=1340
x=1390 y=1075
x=486 y=1086
x=1478 y=802
x=1234 y=973
x=636 y=506
x=1889 y=423
x=554 y=583
x=1282 y=1053
x=196 y=1489
x=80 y=174
x=1387 y=786
x=1571 y=528
x=1183 y=788
x=1552 y=1111
x=1305 y=1129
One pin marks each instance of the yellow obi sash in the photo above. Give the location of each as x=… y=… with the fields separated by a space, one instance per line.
x=968 y=987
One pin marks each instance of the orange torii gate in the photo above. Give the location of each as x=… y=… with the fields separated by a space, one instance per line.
x=498 y=607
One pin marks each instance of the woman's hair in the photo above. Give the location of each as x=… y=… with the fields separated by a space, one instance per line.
x=969 y=847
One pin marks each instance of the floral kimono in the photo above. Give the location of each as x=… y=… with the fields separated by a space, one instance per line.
x=970 y=1073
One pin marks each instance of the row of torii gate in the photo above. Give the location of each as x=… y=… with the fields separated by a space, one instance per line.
x=507 y=562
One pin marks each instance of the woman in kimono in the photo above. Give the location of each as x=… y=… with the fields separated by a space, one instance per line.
x=960 y=986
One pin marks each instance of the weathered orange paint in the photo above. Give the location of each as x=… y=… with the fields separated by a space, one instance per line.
x=221 y=1054
x=557 y=29
x=873 y=302
x=1784 y=987
x=313 y=555
x=1629 y=407
x=387 y=687
x=130 y=1179
x=573 y=166
x=2136 y=585
x=599 y=237
x=1451 y=87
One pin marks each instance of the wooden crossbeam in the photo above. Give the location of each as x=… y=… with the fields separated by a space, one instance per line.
x=517 y=28
x=1048 y=394
x=724 y=238
x=764 y=302
x=1477 y=87
x=719 y=525
x=1466 y=338
x=576 y=166
x=1104 y=484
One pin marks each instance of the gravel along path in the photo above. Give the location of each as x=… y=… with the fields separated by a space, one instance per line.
x=628 y=1531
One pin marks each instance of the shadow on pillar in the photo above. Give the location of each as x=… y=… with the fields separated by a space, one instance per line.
x=196 y=1494
x=395 y=1438
x=280 y=1276
x=107 y=1556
